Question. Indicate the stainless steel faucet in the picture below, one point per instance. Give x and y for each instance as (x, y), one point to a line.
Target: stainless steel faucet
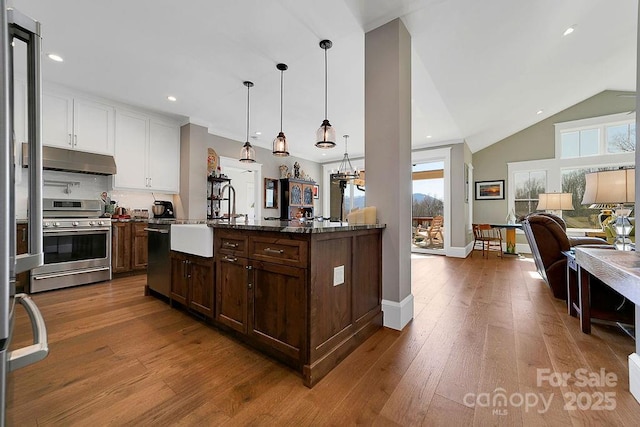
(232, 201)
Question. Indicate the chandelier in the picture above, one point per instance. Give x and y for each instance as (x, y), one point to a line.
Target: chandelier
(346, 171)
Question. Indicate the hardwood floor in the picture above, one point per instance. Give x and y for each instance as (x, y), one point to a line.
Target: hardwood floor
(481, 326)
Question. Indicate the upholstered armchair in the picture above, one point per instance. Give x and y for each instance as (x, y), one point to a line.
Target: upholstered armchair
(547, 237)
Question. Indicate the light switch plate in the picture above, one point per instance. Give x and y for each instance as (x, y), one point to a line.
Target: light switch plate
(338, 275)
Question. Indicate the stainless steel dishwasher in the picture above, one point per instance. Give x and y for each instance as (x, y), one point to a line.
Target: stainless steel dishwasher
(159, 261)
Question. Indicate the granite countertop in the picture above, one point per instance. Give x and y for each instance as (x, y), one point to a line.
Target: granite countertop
(293, 226)
(129, 219)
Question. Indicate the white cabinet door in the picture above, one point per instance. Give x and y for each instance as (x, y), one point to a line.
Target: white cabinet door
(78, 124)
(131, 150)
(164, 157)
(94, 126)
(57, 120)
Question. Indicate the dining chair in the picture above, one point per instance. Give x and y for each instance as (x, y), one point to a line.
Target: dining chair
(478, 239)
(492, 236)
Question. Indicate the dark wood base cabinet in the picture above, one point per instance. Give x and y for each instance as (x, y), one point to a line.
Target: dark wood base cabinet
(276, 292)
(192, 282)
(128, 247)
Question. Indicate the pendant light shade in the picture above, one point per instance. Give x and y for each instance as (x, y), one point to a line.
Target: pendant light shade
(325, 135)
(248, 154)
(280, 145)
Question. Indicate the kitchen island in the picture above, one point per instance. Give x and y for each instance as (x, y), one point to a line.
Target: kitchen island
(306, 293)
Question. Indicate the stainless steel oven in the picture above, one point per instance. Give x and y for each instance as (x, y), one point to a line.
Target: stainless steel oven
(76, 245)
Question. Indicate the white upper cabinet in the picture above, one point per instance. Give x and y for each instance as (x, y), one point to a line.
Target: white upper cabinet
(164, 156)
(132, 131)
(147, 153)
(77, 123)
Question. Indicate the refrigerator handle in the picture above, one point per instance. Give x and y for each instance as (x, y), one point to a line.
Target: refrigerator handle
(34, 93)
(40, 348)
(35, 257)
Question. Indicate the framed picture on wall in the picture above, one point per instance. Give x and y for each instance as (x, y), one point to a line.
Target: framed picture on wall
(490, 190)
(316, 191)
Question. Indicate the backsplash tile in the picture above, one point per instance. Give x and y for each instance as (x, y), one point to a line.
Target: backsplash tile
(85, 186)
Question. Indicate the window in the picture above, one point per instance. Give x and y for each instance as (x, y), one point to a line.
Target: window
(621, 138)
(573, 181)
(580, 143)
(527, 186)
(605, 135)
(582, 146)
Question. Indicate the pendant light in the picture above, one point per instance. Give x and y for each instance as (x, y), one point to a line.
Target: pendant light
(325, 135)
(280, 145)
(346, 171)
(247, 154)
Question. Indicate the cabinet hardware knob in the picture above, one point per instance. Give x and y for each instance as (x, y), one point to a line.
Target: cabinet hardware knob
(230, 245)
(249, 267)
(75, 140)
(250, 286)
(274, 251)
(70, 140)
(230, 258)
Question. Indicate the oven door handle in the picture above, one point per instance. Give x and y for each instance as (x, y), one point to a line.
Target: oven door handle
(67, 273)
(157, 230)
(77, 231)
(24, 356)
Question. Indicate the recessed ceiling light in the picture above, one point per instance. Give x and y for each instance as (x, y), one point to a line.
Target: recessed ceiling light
(428, 136)
(324, 154)
(172, 98)
(539, 112)
(569, 30)
(55, 57)
(258, 133)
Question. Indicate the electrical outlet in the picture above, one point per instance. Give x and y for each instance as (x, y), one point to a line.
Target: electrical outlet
(338, 275)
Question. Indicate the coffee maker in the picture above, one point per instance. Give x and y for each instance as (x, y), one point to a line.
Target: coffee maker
(163, 209)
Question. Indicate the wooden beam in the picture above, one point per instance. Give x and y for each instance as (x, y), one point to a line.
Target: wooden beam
(439, 173)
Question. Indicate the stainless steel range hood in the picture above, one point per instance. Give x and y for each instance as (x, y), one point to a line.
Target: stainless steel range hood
(62, 159)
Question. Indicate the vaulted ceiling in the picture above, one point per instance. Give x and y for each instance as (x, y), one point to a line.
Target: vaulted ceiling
(481, 70)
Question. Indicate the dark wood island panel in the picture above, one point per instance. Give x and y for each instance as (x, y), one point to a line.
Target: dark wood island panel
(275, 291)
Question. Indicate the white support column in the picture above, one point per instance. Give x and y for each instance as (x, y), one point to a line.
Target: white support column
(388, 160)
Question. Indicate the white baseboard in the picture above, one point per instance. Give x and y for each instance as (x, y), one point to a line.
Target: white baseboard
(397, 314)
(459, 252)
(634, 375)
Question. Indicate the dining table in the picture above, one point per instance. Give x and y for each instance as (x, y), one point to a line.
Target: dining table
(510, 236)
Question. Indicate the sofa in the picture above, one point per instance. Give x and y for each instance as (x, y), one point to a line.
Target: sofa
(547, 237)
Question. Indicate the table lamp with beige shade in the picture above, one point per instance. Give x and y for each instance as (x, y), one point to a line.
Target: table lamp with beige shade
(614, 187)
(555, 202)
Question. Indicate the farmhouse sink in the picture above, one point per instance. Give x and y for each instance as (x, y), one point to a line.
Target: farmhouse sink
(194, 239)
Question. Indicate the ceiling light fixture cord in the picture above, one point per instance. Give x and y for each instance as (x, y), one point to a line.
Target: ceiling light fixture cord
(281, 80)
(326, 79)
(248, 112)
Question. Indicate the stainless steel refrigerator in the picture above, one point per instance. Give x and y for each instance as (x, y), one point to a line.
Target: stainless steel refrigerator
(18, 33)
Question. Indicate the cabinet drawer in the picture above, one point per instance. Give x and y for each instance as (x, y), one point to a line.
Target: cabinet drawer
(231, 243)
(282, 251)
